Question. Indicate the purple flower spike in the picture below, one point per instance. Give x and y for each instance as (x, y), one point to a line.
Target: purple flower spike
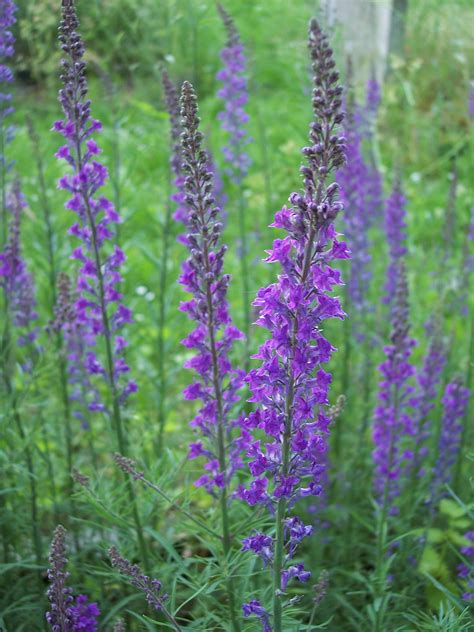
(60, 616)
(395, 228)
(254, 608)
(99, 310)
(291, 387)
(234, 94)
(466, 568)
(393, 418)
(7, 20)
(214, 335)
(15, 279)
(84, 615)
(455, 400)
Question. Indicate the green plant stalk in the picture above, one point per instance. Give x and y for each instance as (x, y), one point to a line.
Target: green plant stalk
(226, 538)
(5, 355)
(464, 431)
(244, 273)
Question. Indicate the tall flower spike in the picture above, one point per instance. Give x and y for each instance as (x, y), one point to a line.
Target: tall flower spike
(455, 401)
(214, 334)
(99, 308)
(7, 20)
(395, 229)
(59, 617)
(393, 417)
(14, 276)
(234, 94)
(221, 440)
(291, 387)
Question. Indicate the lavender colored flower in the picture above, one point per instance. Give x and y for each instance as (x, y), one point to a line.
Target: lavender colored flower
(393, 417)
(119, 626)
(84, 615)
(83, 393)
(234, 93)
(99, 308)
(291, 387)
(255, 608)
(7, 40)
(150, 587)
(66, 614)
(428, 379)
(59, 595)
(353, 181)
(214, 335)
(466, 568)
(15, 280)
(395, 229)
(455, 400)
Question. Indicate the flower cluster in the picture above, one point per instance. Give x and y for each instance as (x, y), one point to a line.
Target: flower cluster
(234, 94)
(66, 614)
(290, 387)
(466, 569)
(393, 418)
(16, 281)
(7, 20)
(99, 308)
(395, 229)
(455, 400)
(214, 335)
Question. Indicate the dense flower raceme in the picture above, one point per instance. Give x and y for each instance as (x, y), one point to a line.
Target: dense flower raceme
(15, 279)
(99, 310)
(234, 93)
(291, 387)
(455, 400)
(466, 569)
(395, 229)
(66, 614)
(83, 393)
(393, 417)
(428, 379)
(7, 20)
(214, 335)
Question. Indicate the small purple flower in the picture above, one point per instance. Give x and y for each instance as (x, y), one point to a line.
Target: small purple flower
(7, 40)
(260, 544)
(466, 568)
(84, 615)
(255, 608)
(234, 94)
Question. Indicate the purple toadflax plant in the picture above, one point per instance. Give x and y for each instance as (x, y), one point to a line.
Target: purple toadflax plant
(66, 614)
(395, 229)
(214, 335)
(455, 400)
(393, 415)
(466, 568)
(291, 387)
(150, 587)
(234, 94)
(100, 312)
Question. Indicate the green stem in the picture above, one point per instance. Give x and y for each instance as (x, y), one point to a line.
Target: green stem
(244, 273)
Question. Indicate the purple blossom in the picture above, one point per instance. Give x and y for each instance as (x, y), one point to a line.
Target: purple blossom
(395, 229)
(260, 544)
(84, 615)
(98, 306)
(214, 335)
(393, 417)
(455, 400)
(290, 387)
(7, 40)
(428, 379)
(255, 608)
(466, 568)
(234, 94)
(15, 280)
